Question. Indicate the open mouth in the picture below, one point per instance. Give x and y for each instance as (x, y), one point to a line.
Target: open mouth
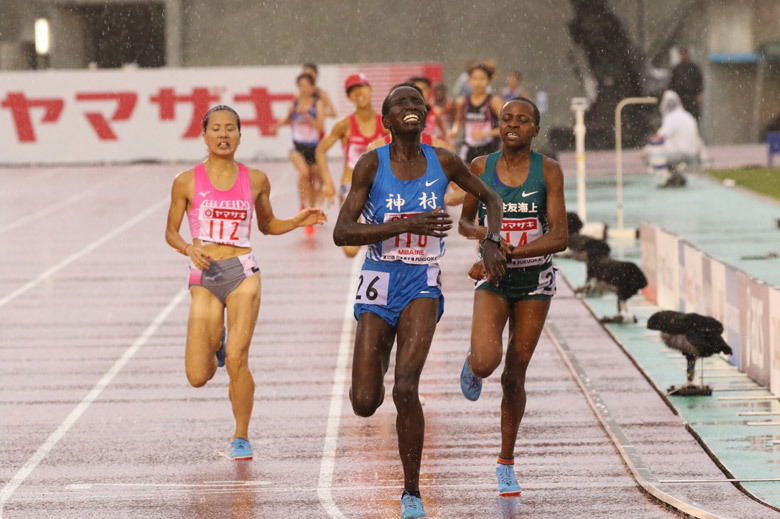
(224, 145)
(412, 118)
(512, 135)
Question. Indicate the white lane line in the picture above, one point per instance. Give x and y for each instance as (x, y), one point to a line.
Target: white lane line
(328, 461)
(74, 415)
(55, 207)
(86, 250)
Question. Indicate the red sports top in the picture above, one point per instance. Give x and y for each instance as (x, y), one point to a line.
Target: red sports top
(357, 142)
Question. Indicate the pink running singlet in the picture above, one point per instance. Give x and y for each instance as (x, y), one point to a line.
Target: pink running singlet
(221, 216)
(357, 143)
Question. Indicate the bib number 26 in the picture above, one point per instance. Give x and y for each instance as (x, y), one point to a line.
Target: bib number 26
(372, 287)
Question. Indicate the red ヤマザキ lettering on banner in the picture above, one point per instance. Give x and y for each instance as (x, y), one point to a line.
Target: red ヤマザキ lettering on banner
(20, 106)
(200, 99)
(262, 101)
(125, 105)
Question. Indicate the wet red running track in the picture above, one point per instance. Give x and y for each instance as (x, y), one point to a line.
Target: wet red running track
(97, 419)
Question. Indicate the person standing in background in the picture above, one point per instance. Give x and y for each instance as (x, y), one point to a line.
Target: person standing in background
(688, 82)
(312, 70)
(477, 114)
(307, 119)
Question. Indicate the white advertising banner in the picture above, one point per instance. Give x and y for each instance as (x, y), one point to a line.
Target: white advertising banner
(80, 116)
(649, 251)
(754, 328)
(667, 270)
(774, 339)
(692, 297)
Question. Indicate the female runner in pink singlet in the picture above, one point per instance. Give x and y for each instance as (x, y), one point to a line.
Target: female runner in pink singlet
(219, 197)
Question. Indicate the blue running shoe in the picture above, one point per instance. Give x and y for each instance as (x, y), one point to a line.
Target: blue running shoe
(411, 507)
(507, 483)
(221, 351)
(241, 450)
(470, 384)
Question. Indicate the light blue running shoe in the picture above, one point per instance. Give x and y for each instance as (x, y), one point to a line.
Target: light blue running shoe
(241, 450)
(507, 483)
(470, 384)
(221, 351)
(411, 507)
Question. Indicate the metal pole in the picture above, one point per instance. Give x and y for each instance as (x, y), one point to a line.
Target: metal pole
(619, 156)
(579, 105)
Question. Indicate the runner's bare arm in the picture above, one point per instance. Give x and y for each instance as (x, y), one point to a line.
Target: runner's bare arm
(336, 134)
(319, 122)
(284, 121)
(267, 223)
(456, 169)
(555, 239)
(327, 103)
(375, 144)
(467, 225)
(349, 231)
(180, 197)
(453, 133)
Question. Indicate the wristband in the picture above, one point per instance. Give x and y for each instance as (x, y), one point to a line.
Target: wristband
(184, 250)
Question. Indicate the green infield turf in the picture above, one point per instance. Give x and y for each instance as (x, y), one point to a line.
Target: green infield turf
(761, 180)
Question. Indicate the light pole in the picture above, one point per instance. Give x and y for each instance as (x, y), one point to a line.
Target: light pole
(42, 42)
(620, 232)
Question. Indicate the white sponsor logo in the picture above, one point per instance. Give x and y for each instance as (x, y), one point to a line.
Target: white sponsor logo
(529, 194)
(204, 193)
(429, 184)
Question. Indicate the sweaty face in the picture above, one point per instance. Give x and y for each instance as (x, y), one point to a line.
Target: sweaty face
(516, 124)
(361, 96)
(221, 135)
(479, 81)
(406, 111)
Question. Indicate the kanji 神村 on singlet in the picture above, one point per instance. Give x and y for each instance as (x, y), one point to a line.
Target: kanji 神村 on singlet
(404, 267)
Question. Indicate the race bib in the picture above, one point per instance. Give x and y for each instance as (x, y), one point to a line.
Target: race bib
(519, 231)
(482, 126)
(354, 152)
(372, 287)
(224, 224)
(305, 132)
(547, 285)
(408, 247)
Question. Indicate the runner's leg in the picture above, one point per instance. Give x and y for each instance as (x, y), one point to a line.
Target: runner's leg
(243, 305)
(529, 317)
(487, 327)
(304, 177)
(416, 326)
(204, 336)
(373, 343)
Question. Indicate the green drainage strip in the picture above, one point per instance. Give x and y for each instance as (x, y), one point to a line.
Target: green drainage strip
(739, 423)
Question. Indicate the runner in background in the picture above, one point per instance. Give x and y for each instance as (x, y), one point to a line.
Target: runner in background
(313, 71)
(355, 132)
(307, 118)
(533, 228)
(219, 197)
(477, 113)
(434, 125)
(398, 189)
(445, 105)
(514, 86)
